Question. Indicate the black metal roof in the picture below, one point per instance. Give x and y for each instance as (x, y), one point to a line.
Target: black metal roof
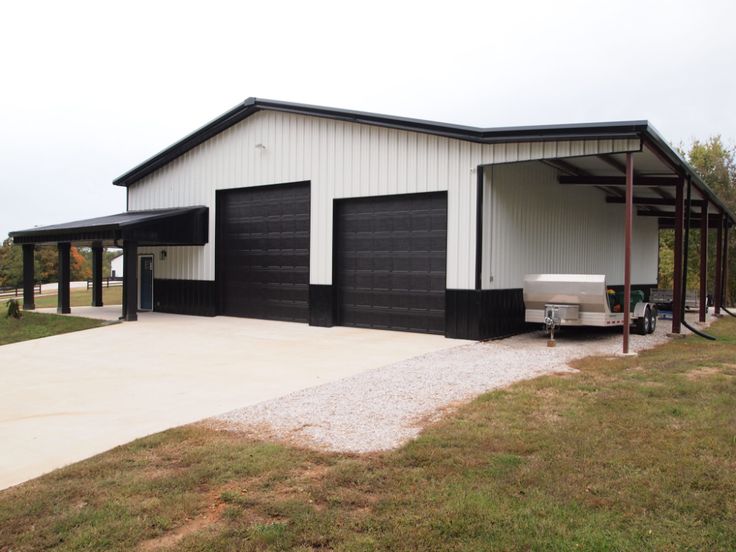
(178, 226)
(585, 131)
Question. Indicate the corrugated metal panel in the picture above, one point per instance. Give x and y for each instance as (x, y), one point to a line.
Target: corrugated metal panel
(340, 159)
(534, 225)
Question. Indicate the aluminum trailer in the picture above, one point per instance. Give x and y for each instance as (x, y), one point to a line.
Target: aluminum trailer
(557, 300)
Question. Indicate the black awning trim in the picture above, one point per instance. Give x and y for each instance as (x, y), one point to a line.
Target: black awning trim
(177, 226)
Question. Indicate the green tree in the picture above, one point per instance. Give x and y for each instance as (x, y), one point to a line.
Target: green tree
(11, 264)
(715, 161)
(47, 262)
(45, 265)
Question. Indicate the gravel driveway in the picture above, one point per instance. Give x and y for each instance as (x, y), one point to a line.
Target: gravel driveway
(383, 408)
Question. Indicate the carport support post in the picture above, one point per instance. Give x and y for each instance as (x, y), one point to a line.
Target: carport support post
(703, 308)
(677, 277)
(96, 275)
(28, 277)
(130, 281)
(724, 278)
(718, 291)
(62, 306)
(628, 230)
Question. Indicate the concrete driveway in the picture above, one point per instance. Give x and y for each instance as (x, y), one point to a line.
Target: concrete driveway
(65, 398)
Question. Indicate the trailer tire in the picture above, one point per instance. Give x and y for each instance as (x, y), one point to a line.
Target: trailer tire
(652, 319)
(643, 324)
(640, 325)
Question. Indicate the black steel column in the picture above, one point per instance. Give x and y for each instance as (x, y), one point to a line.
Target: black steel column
(28, 277)
(62, 306)
(724, 278)
(718, 291)
(97, 275)
(677, 277)
(628, 231)
(703, 307)
(130, 281)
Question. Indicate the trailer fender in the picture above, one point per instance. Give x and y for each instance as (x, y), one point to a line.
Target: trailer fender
(639, 310)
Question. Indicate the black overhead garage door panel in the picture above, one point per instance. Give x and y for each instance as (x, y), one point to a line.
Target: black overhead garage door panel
(390, 262)
(263, 252)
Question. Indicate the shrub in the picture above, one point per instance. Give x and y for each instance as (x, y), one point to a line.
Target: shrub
(13, 309)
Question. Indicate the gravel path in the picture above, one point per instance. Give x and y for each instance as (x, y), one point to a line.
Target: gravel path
(383, 408)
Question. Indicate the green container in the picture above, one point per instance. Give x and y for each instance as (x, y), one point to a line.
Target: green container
(637, 296)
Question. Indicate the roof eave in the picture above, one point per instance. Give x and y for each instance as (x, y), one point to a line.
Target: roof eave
(685, 169)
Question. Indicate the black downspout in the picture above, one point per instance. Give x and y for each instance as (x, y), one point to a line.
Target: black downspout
(725, 269)
(688, 204)
(479, 227)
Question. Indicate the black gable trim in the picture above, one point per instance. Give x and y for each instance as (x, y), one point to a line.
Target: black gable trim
(625, 129)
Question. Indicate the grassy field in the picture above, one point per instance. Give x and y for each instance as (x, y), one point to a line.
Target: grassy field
(83, 298)
(35, 324)
(627, 454)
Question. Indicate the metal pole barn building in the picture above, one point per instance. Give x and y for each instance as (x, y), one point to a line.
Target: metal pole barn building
(326, 216)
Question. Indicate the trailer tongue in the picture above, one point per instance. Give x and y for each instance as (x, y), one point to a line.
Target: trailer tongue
(557, 300)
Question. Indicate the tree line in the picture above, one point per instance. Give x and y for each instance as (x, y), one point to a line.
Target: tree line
(46, 263)
(715, 161)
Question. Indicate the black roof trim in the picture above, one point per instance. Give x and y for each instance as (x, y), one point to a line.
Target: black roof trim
(653, 138)
(624, 129)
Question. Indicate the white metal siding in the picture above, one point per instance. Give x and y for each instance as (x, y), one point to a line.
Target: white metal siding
(340, 159)
(533, 225)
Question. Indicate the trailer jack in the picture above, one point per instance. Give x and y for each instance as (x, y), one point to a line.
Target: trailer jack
(549, 324)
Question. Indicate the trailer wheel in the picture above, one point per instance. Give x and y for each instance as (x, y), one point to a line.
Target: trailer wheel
(645, 324)
(652, 319)
(641, 325)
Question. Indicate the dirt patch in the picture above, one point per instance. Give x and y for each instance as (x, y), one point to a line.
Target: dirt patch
(174, 537)
(703, 372)
(315, 472)
(211, 516)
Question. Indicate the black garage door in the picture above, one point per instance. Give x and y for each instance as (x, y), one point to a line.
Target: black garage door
(263, 252)
(390, 262)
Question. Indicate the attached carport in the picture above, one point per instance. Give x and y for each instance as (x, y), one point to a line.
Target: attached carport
(159, 227)
(657, 182)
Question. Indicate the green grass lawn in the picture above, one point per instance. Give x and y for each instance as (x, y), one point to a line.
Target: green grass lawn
(627, 454)
(35, 324)
(83, 298)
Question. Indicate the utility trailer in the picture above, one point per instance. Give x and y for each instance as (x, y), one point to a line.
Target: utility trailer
(663, 299)
(557, 300)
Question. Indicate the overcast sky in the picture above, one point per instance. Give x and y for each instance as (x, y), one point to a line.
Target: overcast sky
(90, 89)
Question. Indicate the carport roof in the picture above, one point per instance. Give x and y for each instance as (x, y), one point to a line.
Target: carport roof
(177, 226)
